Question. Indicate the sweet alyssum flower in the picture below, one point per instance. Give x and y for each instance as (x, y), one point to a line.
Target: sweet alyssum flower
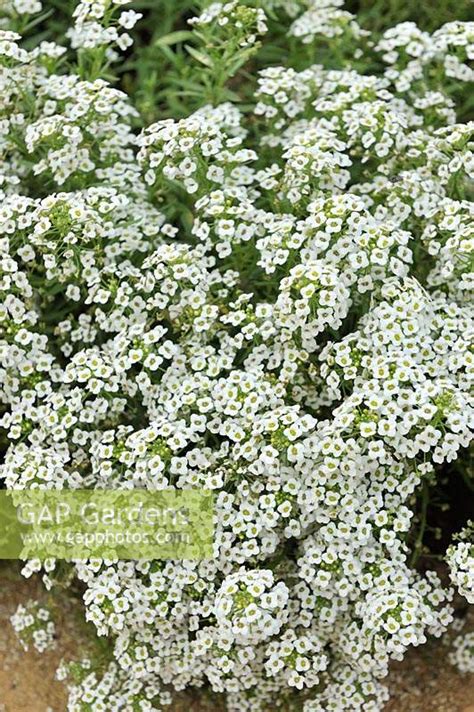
(268, 298)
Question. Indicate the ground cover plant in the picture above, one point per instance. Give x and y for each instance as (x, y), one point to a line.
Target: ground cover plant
(238, 255)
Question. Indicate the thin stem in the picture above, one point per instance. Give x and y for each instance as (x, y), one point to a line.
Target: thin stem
(425, 498)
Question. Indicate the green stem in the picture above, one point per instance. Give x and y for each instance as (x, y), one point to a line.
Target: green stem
(425, 498)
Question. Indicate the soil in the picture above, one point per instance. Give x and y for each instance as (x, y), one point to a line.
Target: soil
(423, 682)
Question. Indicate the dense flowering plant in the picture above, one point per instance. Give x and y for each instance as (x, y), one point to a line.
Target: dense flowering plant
(266, 291)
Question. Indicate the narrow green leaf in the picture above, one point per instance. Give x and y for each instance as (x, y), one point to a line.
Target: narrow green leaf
(203, 58)
(173, 38)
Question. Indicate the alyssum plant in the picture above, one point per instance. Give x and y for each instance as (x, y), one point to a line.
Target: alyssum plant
(269, 297)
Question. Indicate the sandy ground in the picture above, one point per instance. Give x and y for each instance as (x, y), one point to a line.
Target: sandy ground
(424, 682)
(27, 681)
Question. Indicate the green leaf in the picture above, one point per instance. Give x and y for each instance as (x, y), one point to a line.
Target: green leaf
(203, 58)
(173, 38)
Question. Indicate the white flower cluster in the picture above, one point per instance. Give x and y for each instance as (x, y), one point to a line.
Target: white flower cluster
(201, 152)
(33, 625)
(250, 607)
(272, 302)
(324, 18)
(460, 558)
(13, 9)
(414, 54)
(96, 27)
(462, 654)
(113, 690)
(235, 22)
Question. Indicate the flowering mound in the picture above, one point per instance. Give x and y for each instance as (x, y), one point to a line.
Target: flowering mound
(265, 292)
